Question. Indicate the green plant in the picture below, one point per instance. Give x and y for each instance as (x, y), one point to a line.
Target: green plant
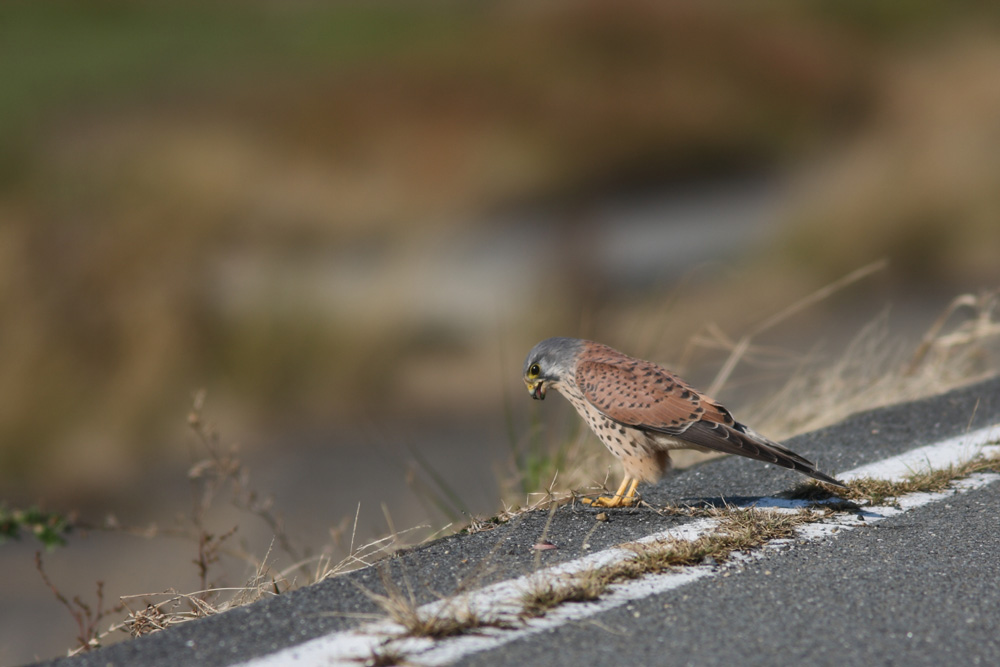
(49, 528)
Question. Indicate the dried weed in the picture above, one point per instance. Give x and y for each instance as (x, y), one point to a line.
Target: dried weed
(453, 617)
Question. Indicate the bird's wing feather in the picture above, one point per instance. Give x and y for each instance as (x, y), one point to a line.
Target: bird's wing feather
(648, 397)
(644, 395)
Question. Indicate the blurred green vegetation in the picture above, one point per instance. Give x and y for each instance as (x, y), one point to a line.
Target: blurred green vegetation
(93, 55)
(49, 528)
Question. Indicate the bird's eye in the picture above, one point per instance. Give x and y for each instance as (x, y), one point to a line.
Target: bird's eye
(534, 370)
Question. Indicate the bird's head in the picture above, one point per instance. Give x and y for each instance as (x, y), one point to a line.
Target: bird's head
(551, 362)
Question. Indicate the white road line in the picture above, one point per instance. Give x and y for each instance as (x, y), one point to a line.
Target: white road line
(936, 456)
(502, 600)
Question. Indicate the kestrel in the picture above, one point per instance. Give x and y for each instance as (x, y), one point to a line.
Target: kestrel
(641, 411)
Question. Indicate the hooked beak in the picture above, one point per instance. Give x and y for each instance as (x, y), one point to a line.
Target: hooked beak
(536, 389)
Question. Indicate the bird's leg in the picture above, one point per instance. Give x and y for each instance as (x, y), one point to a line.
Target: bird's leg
(629, 498)
(624, 496)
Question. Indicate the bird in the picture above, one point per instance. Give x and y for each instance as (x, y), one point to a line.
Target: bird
(641, 411)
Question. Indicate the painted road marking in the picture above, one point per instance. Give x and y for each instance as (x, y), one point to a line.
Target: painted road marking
(503, 600)
(939, 455)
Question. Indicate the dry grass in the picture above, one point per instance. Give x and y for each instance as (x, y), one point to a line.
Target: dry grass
(221, 475)
(385, 656)
(739, 350)
(169, 608)
(961, 346)
(86, 616)
(738, 530)
(453, 617)
(158, 614)
(872, 491)
(361, 556)
(880, 492)
(547, 593)
(176, 608)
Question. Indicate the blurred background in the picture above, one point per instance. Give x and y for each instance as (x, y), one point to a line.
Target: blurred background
(348, 222)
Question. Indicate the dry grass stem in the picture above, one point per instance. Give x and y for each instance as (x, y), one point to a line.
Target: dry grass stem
(453, 617)
(364, 556)
(385, 656)
(880, 491)
(548, 593)
(738, 530)
(168, 612)
(87, 618)
(876, 370)
(740, 348)
(874, 491)
(981, 326)
(222, 469)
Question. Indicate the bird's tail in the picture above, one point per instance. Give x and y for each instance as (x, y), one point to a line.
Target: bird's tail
(735, 438)
(778, 454)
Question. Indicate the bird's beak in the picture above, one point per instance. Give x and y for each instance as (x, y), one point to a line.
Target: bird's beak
(536, 389)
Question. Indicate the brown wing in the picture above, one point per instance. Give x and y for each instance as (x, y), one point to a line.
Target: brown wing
(646, 396)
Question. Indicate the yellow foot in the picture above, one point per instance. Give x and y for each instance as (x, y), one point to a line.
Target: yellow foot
(609, 501)
(622, 498)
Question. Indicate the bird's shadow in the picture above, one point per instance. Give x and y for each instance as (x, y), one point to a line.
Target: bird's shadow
(764, 502)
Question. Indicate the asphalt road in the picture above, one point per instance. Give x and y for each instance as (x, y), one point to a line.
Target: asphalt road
(919, 588)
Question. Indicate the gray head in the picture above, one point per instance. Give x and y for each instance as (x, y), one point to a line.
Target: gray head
(551, 361)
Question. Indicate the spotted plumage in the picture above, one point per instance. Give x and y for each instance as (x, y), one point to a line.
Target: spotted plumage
(640, 411)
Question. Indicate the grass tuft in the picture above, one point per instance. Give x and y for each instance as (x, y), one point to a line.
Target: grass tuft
(879, 491)
(872, 491)
(738, 530)
(452, 618)
(546, 594)
(385, 656)
(810, 490)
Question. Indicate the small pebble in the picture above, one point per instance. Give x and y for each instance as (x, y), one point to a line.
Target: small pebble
(601, 517)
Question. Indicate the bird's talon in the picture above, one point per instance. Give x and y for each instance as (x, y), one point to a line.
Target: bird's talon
(608, 501)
